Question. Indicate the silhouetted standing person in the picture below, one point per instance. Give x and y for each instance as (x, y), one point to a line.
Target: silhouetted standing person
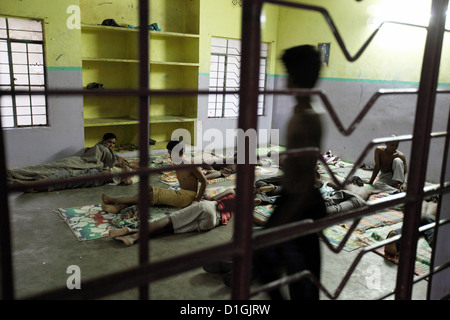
(300, 199)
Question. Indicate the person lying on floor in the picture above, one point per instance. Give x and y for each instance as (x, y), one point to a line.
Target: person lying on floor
(427, 216)
(200, 216)
(391, 164)
(354, 194)
(100, 159)
(189, 192)
(225, 169)
(337, 200)
(267, 189)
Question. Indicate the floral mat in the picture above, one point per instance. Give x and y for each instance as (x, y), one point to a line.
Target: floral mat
(365, 227)
(423, 253)
(91, 222)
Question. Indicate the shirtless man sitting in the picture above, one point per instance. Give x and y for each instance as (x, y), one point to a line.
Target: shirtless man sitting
(189, 192)
(393, 167)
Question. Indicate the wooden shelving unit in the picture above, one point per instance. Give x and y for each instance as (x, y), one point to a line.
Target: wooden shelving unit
(110, 57)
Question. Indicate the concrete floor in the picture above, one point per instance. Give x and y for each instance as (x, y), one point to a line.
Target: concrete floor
(44, 246)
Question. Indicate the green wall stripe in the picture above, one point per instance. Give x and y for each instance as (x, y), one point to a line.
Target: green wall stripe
(64, 68)
(370, 81)
(413, 83)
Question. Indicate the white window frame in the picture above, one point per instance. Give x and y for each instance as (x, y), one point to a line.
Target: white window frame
(22, 68)
(225, 67)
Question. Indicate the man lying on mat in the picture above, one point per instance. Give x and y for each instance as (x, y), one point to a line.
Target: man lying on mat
(201, 216)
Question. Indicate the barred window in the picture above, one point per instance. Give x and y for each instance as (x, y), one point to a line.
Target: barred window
(224, 75)
(22, 68)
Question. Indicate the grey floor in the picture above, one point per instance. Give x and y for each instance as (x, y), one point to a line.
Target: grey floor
(44, 246)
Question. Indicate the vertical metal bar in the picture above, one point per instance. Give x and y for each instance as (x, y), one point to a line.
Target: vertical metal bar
(11, 74)
(440, 210)
(421, 141)
(143, 137)
(245, 172)
(6, 284)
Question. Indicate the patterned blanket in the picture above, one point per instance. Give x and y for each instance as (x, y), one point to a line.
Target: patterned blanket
(91, 222)
(423, 254)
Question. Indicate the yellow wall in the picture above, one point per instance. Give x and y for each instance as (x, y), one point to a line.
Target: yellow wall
(220, 18)
(62, 44)
(171, 16)
(395, 54)
(124, 12)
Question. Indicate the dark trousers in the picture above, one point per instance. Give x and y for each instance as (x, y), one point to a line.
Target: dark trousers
(295, 255)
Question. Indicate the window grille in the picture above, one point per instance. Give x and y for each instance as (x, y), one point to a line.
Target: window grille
(225, 74)
(22, 68)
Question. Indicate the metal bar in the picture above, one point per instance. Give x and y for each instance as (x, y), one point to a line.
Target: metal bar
(6, 264)
(130, 278)
(294, 230)
(145, 273)
(420, 278)
(317, 92)
(439, 207)
(249, 89)
(187, 92)
(11, 73)
(334, 29)
(421, 141)
(242, 245)
(306, 274)
(143, 201)
(143, 171)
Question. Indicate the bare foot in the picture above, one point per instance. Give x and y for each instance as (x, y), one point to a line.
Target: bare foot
(107, 200)
(121, 232)
(109, 206)
(129, 240)
(265, 189)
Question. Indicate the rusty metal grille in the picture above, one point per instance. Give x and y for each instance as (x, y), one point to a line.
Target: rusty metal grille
(244, 242)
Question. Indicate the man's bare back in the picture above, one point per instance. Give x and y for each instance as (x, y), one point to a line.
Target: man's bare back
(190, 178)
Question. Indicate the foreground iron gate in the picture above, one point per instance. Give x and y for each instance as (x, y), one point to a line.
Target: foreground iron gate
(241, 246)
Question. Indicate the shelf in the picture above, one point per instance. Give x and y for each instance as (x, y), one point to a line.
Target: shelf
(167, 63)
(103, 122)
(151, 33)
(98, 27)
(110, 55)
(179, 64)
(162, 119)
(110, 60)
(172, 34)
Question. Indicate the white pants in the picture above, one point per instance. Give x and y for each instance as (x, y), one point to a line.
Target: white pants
(200, 216)
(387, 180)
